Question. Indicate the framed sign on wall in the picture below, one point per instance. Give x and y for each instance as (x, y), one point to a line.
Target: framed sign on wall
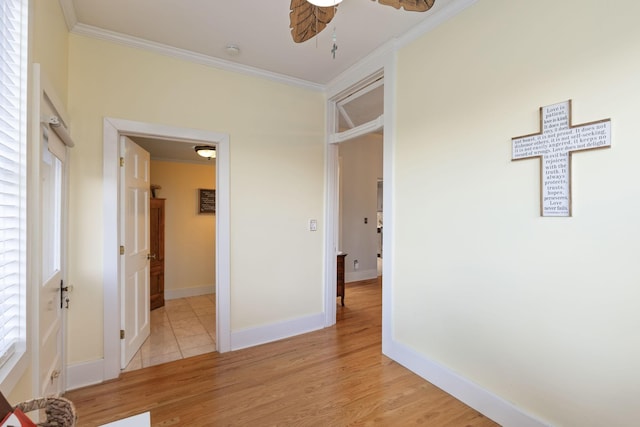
(206, 201)
(554, 145)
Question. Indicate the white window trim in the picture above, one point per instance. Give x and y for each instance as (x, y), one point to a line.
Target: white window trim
(14, 368)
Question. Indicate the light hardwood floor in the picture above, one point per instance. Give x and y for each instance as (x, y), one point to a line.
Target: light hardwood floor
(333, 377)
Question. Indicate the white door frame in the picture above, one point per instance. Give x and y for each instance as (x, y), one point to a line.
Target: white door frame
(43, 93)
(383, 64)
(113, 129)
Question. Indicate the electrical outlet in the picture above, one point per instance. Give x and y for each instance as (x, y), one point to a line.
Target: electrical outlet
(356, 265)
(313, 225)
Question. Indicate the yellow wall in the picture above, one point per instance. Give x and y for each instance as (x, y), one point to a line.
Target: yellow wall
(540, 311)
(189, 236)
(49, 43)
(276, 177)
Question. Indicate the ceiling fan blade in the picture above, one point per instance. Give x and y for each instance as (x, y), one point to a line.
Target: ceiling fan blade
(308, 20)
(410, 5)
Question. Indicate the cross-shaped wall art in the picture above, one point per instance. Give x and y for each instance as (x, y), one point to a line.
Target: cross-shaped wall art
(557, 140)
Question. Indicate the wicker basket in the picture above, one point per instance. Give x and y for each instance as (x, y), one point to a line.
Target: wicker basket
(60, 411)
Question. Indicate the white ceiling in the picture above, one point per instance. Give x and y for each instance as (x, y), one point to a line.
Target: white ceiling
(201, 30)
(260, 28)
(174, 151)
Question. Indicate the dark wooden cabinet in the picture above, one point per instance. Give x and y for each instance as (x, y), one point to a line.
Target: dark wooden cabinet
(156, 252)
(340, 277)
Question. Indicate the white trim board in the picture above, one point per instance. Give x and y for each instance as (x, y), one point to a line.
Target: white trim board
(85, 374)
(113, 129)
(356, 276)
(189, 292)
(492, 406)
(276, 331)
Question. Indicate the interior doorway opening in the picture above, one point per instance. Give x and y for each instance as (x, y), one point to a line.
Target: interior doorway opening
(360, 173)
(182, 251)
(355, 152)
(113, 130)
(359, 218)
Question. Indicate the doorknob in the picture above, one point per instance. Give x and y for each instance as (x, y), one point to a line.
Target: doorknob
(151, 256)
(63, 293)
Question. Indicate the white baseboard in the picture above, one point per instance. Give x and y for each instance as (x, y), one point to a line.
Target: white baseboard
(263, 334)
(84, 374)
(483, 401)
(89, 373)
(356, 276)
(189, 292)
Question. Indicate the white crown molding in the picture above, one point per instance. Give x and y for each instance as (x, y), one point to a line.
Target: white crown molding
(368, 66)
(449, 11)
(377, 59)
(69, 12)
(186, 55)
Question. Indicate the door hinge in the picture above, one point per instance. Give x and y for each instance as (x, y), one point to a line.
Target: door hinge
(121, 161)
(121, 250)
(54, 375)
(121, 334)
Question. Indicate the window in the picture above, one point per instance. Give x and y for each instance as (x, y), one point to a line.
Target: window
(13, 99)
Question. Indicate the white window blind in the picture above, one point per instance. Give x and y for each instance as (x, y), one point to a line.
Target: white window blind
(13, 98)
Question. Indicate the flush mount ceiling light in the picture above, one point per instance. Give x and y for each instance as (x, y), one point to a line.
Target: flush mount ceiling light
(232, 50)
(206, 151)
(324, 3)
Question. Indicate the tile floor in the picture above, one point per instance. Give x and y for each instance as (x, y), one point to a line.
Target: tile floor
(183, 328)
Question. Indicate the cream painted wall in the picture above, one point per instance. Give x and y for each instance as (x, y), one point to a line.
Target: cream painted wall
(49, 43)
(540, 311)
(276, 177)
(189, 236)
(360, 169)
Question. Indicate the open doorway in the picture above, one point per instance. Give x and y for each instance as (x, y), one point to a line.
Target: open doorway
(358, 148)
(359, 237)
(114, 129)
(182, 251)
(360, 173)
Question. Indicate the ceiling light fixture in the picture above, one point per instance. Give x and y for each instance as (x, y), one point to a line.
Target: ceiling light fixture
(324, 3)
(206, 151)
(232, 50)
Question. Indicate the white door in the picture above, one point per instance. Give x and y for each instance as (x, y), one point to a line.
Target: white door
(134, 282)
(51, 299)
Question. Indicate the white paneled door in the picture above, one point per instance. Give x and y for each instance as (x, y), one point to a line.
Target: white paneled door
(52, 298)
(135, 310)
